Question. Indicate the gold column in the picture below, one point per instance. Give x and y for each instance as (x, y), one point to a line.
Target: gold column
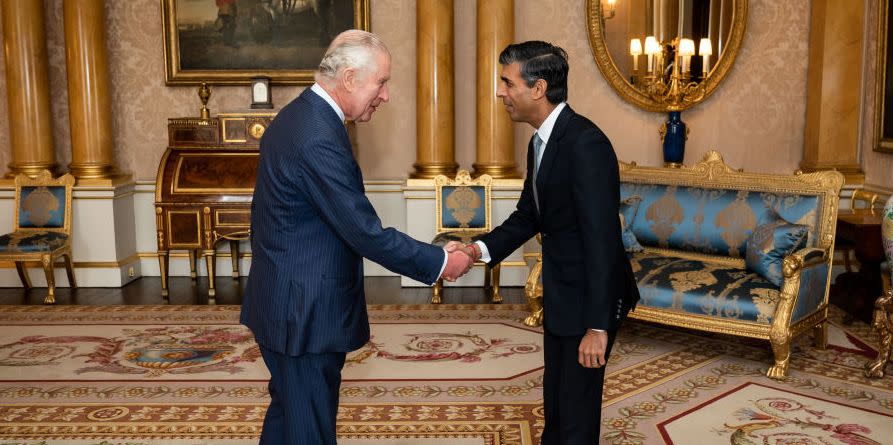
(833, 96)
(88, 90)
(436, 152)
(495, 135)
(27, 87)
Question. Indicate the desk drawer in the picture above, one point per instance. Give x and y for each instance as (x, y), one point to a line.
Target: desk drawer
(232, 218)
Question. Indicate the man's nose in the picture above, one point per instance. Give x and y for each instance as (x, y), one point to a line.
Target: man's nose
(385, 93)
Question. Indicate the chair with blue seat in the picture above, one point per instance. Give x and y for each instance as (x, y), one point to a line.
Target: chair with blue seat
(883, 307)
(41, 228)
(462, 209)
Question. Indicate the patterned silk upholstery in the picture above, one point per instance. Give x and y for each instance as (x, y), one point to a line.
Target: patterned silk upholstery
(42, 207)
(30, 242)
(770, 243)
(705, 288)
(462, 214)
(41, 228)
(713, 221)
(628, 209)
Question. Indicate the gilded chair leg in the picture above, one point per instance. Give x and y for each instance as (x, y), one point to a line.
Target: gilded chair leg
(883, 326)
(210, 259)
(436, 292)
(69, 269)
(534, 292)
(51, 280)
(162, 268)
(496, 298)
(536, 312)
(781, 349)
(234, 255)
(820, 335)
(488, 276)
(192, 255)
(23, 275)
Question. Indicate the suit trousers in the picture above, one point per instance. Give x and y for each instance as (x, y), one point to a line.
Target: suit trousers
(304, 393)
(572, 394)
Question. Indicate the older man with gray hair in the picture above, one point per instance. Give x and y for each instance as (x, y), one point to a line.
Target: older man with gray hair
(311, 226)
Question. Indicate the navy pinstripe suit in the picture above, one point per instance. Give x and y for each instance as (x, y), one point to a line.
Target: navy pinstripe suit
(311, 225)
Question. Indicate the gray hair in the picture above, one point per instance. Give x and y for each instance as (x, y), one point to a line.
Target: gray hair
(350, 49)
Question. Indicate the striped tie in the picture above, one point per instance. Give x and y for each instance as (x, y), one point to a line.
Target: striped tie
(538, 154)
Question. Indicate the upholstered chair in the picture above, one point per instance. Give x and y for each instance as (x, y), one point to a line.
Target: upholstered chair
(41, 228)
(883, 307)
(462, 213)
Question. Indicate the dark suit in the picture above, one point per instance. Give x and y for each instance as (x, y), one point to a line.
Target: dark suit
(587, 278)
(311, 226)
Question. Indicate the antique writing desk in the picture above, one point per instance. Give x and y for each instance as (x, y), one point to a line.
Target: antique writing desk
(857, 291)
(204, 187)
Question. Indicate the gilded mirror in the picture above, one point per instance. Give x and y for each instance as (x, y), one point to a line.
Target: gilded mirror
(665, 55)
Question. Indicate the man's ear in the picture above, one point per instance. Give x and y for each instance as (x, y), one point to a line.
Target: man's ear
(349, 79)
(538, 91)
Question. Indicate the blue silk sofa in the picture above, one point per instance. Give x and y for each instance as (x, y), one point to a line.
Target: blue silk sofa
(694, 224)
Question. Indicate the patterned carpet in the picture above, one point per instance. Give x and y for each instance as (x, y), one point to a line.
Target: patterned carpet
(464, 375)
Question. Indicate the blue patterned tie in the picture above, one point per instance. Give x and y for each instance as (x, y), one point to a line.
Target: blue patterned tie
(537, 153)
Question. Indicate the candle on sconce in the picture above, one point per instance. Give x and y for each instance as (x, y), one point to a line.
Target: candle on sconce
(651, 48)
(686, 50)
(705, 50)
(635, 50)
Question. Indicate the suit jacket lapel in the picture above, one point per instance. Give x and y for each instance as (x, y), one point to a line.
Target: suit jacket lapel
(552, 148)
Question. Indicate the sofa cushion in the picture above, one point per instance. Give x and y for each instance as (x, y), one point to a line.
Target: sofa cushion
(703, 288)
(714, 221)
(628, 209)
(769, 243)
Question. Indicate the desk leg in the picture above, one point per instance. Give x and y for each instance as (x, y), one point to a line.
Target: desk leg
(210, 259)
(192, 254)
(162, 268)
(234, 255)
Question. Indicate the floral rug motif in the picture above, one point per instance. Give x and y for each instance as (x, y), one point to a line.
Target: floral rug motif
(431, 375)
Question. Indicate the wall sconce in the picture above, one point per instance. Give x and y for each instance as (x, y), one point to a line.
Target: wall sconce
(609, 9)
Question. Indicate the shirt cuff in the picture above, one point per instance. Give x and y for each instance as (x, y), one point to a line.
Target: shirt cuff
(485, 254)
(446, 257)
(597, 330)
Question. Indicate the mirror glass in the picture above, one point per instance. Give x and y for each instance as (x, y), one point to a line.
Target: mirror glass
(665, 55)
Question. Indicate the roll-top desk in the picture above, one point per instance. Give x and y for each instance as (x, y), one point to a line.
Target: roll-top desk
(204, 187)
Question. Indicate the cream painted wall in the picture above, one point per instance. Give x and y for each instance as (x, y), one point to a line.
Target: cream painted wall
(756, 118)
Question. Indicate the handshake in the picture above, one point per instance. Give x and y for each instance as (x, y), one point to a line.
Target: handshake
(460, 258)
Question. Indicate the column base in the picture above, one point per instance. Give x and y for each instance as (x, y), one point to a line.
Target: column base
(30, 169)
(430, 170)
(92, 171)
(497, 171)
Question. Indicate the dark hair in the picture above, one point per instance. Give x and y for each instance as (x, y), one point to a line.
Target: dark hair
(540, 60)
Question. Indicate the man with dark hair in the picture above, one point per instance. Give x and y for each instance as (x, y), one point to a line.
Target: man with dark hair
(571, 197)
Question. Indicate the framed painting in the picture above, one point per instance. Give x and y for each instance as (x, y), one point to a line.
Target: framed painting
(227, 42)
(883, 140)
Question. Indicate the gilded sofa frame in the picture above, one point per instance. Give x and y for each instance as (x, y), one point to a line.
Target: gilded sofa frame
(713, 172)
(46, 259)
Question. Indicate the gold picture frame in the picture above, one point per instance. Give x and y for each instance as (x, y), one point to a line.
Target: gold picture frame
(883, 121)
(227, 42)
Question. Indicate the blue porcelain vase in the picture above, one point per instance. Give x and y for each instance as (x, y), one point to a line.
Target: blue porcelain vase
(674, 139)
